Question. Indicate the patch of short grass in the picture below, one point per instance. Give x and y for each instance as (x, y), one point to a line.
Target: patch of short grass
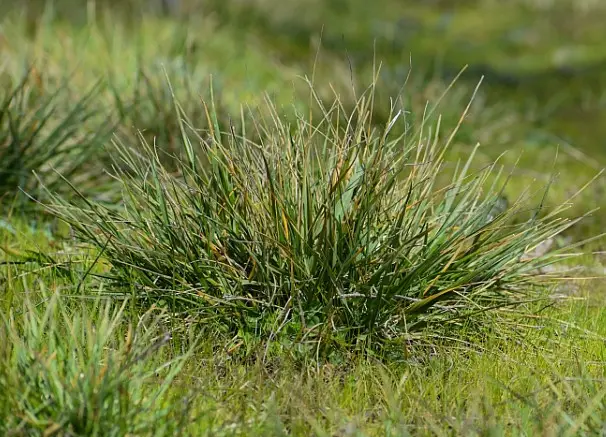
(68, 355)
(66, 370)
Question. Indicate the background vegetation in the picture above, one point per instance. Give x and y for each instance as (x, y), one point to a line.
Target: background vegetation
(271, 218)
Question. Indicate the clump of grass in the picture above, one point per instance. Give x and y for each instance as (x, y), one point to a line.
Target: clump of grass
(324, 232)
(85, 371)
(44, 131)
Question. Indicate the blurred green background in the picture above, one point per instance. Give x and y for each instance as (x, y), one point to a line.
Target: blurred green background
(546, 57)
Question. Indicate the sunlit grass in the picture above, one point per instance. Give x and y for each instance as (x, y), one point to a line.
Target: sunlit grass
(327, 263)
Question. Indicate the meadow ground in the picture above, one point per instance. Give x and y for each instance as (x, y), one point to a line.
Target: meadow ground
(261, 218)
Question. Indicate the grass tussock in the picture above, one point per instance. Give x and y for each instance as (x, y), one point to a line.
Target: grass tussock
(47, 132)
(329, 232)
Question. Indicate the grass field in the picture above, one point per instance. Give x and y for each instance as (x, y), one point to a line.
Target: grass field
(339, 218)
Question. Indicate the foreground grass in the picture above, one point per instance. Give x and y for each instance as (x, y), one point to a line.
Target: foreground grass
(97, 345)
(72, 366)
